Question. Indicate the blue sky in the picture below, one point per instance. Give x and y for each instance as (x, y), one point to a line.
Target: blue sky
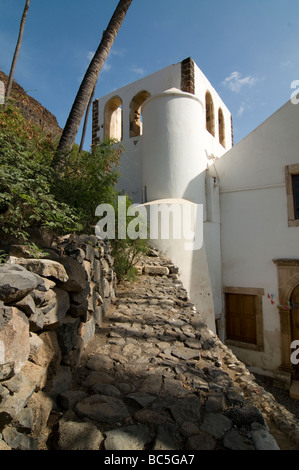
(247, 49)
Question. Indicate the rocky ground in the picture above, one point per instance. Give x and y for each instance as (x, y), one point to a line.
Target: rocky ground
(155, 378)
(289, 408)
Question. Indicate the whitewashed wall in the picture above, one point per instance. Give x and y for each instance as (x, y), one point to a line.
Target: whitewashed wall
(170, 160)
(254, 219)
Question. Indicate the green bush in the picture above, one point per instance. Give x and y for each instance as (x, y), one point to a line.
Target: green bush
(88, 180)
(26, 179)
(33, 195)
(126, 251)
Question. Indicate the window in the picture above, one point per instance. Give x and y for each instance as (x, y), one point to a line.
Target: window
(241, 318)
(135, 113)
(244, 324)
(292, 189)
(210, 117)
(221, 126)
(113, 119)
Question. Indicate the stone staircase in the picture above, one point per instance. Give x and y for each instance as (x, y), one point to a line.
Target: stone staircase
(155, 378)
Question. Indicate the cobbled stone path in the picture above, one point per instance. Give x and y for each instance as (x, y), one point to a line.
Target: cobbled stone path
(154, 378)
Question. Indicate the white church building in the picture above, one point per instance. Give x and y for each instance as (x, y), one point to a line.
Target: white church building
(178, 140)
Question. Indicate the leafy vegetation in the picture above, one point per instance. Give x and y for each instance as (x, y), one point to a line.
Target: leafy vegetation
(34, 195)
(26, 197)
(127, 251)
(89, 179)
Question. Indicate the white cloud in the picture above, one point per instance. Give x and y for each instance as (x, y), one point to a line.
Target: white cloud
(106, 67)
(235, 81)
(138, 70)
(118, 52)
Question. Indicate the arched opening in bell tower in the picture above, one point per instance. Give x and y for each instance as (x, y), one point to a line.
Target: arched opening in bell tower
(135, 113)
(113, 119)
(210, 114)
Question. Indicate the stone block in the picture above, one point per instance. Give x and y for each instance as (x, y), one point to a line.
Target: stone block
(79, 436)
(67, 334)
(99, 315)
(28, 381)
(90, 252)
(26, 304)
(134, 437)
(15, 282)
(19, 441)
(263, 440)
(87, 330)
(87, 268)
(14, 338)
(79, 310)
(5, 314)
(102, 409)
(35, 343)
(76, 273)
(34, 417)
(36, 374)
(49, 354)
(156, 270)
(44, 268)
(97, 271)
(55, 313)
(79, 297)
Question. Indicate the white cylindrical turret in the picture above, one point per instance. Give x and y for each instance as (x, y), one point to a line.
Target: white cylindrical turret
(173, 154)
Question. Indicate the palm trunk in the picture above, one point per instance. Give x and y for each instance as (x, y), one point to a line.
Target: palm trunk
(89, 81)
(86, 120)
(17, 50)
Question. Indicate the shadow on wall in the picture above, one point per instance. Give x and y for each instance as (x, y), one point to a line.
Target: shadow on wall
(200, 268)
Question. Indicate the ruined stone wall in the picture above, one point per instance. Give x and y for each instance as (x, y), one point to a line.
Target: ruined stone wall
(49, 309)
(31, 109)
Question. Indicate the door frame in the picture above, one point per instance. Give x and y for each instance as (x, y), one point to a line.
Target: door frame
(288, 279)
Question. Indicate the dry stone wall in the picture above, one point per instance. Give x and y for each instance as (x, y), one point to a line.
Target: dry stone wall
(49, 309)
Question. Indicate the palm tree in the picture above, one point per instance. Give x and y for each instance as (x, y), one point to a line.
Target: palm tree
(17, 50)
(86, 120)
(88, 83)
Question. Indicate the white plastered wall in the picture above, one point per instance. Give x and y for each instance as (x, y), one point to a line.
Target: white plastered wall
(130, 168)
(169, 160)
(254, 219)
